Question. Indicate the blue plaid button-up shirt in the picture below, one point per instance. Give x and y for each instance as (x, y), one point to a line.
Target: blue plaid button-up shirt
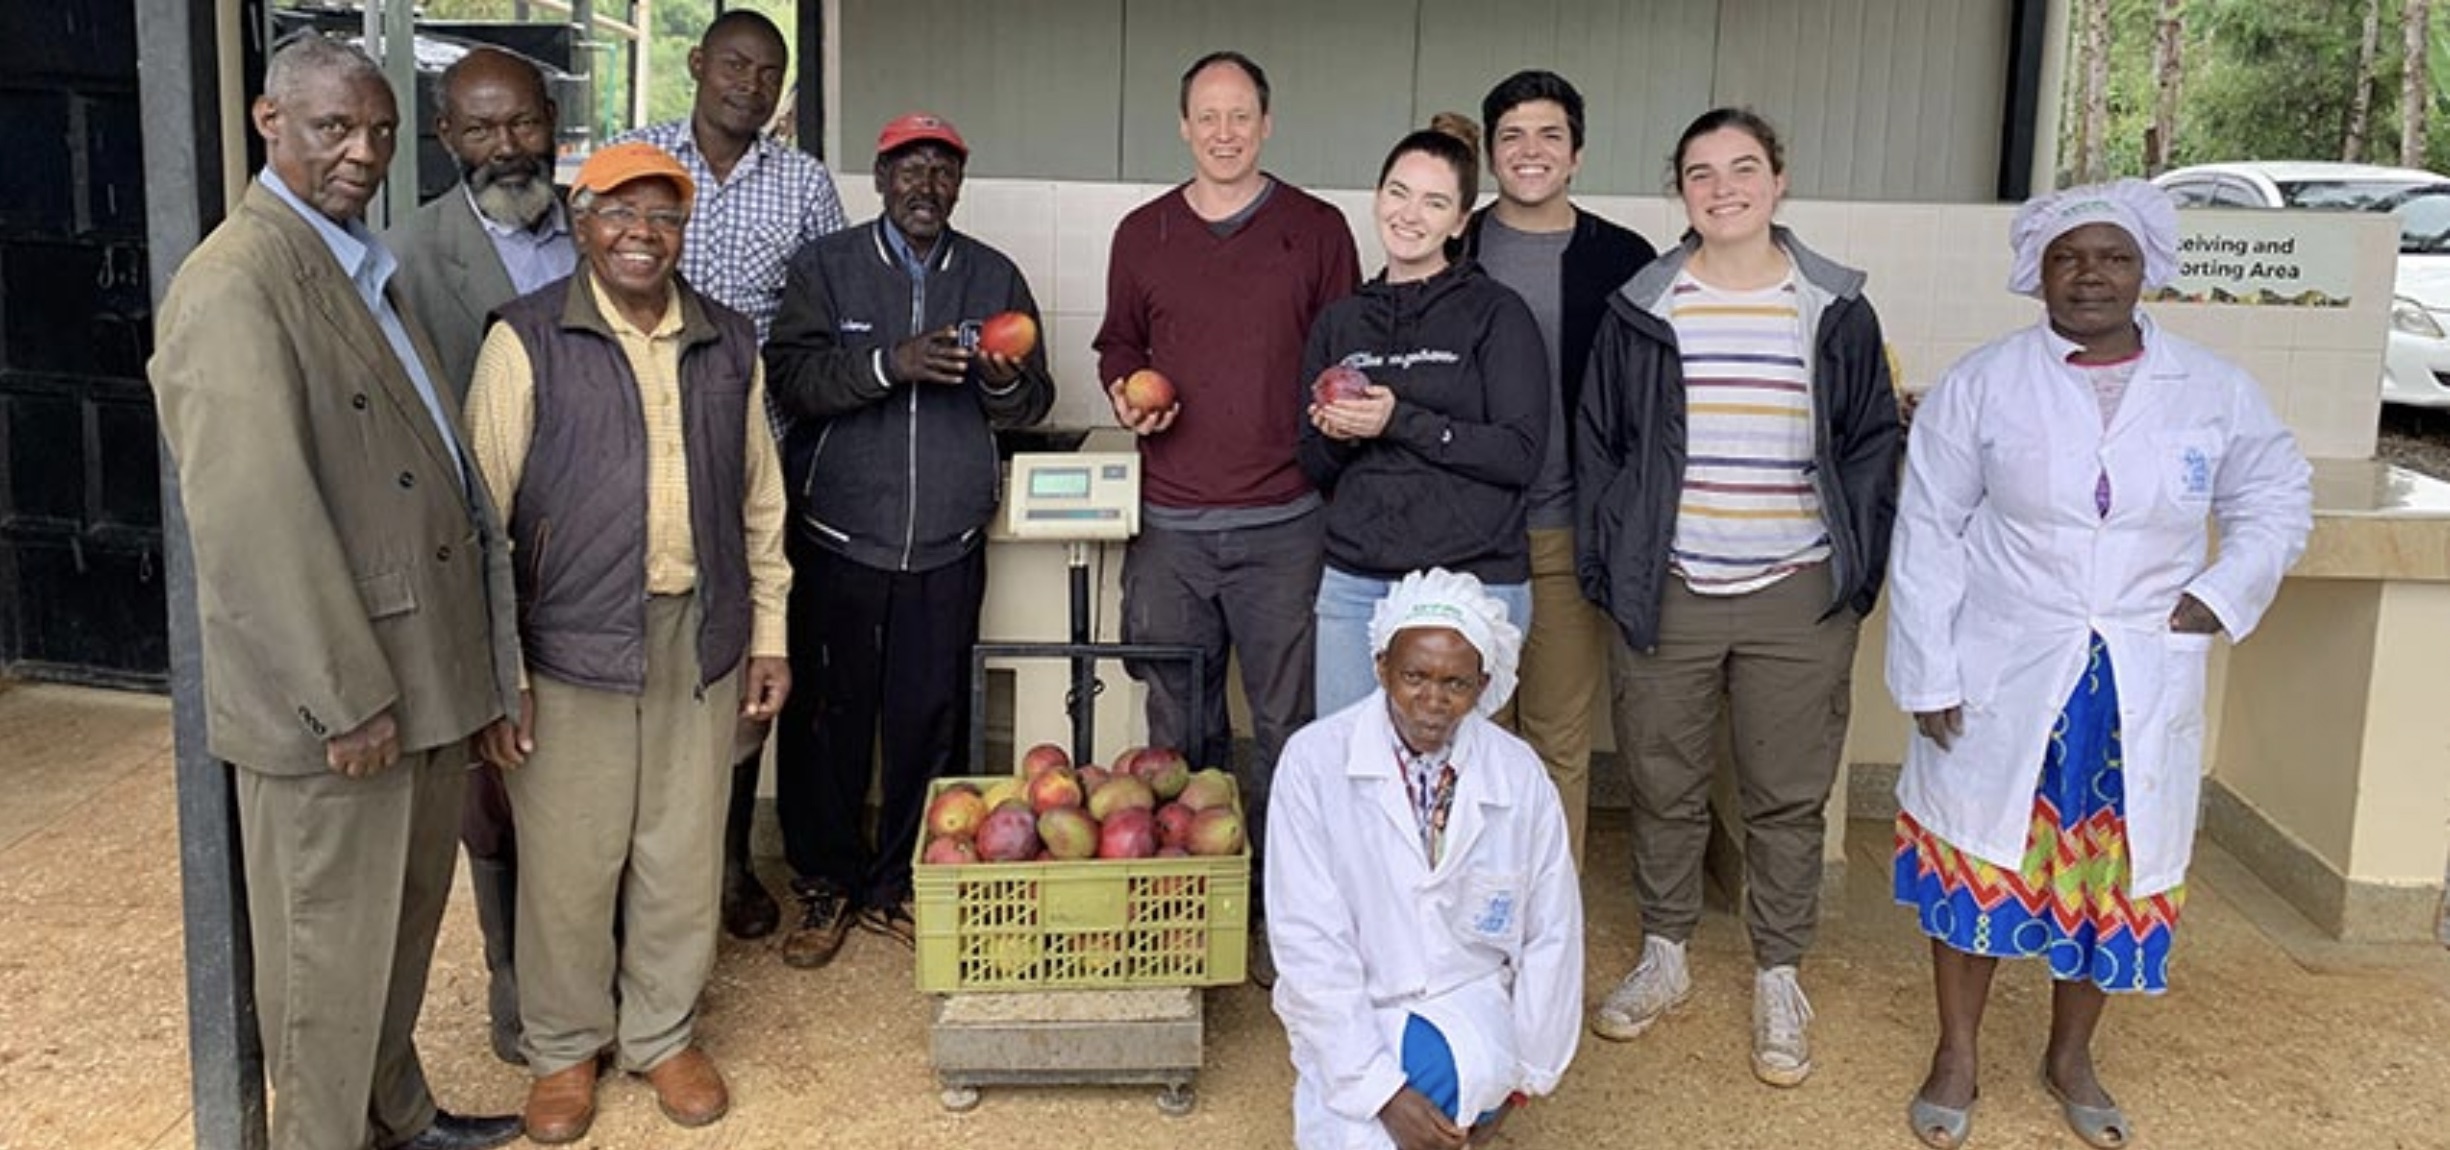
(743, 231)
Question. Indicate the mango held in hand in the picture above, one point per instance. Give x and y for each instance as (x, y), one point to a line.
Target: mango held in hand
(1338, 382)
(1010, 334)
(1148, 392)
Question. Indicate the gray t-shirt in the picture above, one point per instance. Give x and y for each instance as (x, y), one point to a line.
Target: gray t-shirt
(1531, 263)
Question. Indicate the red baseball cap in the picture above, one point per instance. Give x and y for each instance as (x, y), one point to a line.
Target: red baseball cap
(919, 127)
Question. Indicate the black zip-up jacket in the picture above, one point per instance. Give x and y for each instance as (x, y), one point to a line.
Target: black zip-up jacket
(1599, 258)
(1443, 484)
(1629, 472)
(893, 475)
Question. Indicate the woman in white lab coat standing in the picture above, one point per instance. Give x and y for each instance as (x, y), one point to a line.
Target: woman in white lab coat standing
(2051, 608)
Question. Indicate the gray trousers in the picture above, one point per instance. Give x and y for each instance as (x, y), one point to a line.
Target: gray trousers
(1785, 676)
(1250, 592)
(620, 813)
(346, 884)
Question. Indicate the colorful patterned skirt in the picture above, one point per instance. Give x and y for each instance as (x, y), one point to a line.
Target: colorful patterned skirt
(2067, 901)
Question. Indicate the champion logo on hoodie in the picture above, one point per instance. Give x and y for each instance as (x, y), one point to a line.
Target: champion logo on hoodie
(1365, 360)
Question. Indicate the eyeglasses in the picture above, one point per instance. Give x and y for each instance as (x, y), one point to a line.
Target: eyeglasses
(624, 217)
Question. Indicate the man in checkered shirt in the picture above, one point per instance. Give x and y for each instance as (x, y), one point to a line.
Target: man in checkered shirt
(759, 199)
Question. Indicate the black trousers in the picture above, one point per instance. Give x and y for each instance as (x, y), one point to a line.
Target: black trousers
(879, 659)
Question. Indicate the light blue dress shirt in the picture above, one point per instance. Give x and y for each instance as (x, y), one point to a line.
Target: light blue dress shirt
(534, 256)
(370, 266)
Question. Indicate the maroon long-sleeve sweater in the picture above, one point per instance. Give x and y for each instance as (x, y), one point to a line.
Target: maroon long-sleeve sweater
(1225, 320)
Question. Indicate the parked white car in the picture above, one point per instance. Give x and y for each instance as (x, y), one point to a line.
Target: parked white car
(2416, 362)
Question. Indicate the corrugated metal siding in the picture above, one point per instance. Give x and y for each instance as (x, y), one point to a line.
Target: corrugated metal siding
(1036, 86)
(1340, 73)
(1643, 69)
(1879, 99)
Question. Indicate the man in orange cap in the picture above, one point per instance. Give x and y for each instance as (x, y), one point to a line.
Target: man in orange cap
(895, 451)
(647, 633)
(759, 200)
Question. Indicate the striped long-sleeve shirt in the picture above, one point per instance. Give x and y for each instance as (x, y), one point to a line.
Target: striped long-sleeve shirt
(1748, 515)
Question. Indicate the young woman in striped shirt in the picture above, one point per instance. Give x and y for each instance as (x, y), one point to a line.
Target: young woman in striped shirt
(1736, 477)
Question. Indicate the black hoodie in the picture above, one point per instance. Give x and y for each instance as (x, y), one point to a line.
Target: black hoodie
(1443, 484)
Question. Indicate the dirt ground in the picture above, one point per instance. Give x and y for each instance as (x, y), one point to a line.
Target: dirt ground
(2272, 1036)
(2415, 438)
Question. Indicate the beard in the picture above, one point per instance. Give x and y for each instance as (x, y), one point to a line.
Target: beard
(516, 194)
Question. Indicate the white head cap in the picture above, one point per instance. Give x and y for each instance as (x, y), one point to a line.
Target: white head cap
(1441, 598)
(2140, 209)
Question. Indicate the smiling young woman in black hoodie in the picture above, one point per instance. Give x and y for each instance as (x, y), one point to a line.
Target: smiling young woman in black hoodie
(1429, 465)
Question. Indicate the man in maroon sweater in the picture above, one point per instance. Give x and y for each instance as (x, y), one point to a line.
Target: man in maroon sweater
(1214, 285)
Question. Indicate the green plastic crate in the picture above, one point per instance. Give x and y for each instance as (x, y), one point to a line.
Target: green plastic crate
(1101, 924)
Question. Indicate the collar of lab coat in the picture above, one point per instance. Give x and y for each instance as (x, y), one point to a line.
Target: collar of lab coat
(2143, 398)
(1369, 760)
(2063, 347)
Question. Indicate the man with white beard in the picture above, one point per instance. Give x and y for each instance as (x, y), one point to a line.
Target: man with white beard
(499, 235)
(502, 232)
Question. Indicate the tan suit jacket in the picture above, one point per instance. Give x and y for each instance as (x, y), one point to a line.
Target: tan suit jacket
(342, 566)
(452, 275)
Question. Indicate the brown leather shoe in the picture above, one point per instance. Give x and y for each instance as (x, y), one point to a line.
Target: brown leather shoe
(825, 917)
(561, 1105)
(894, 921)
(688, 1089)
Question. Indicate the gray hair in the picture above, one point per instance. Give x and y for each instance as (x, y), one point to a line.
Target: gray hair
(314, 54)
(582, 201)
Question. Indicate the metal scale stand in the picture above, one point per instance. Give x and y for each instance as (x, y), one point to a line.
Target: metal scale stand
(1118, 1037)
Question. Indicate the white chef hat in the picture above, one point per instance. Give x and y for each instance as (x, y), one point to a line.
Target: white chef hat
(1442, 598)
(2140, 209)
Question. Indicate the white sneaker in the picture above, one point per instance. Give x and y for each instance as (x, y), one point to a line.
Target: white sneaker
(1658, 984)
(1781, 1046)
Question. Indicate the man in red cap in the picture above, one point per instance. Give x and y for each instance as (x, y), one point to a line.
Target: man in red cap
(894, 454)
(647, 633)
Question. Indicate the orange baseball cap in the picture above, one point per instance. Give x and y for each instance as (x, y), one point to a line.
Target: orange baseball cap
(611, 167)
(919, 127)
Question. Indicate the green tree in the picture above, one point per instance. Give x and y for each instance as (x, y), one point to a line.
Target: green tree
(2264, 80)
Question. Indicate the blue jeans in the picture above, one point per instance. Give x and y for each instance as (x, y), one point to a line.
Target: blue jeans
(1346, 671)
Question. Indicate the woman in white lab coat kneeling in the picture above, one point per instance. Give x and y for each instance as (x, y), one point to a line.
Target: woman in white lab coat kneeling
(2051, 609)
(1422, 900)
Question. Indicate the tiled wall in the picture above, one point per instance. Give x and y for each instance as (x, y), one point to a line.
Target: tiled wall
(1937, 275)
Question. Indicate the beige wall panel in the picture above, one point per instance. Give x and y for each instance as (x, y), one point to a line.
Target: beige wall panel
(2293, 729)
(1643, 70)
(1341, 74)
(1877, 99)
(1034, 85)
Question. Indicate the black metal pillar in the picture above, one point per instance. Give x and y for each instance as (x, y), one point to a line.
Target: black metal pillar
(2020, 116)
(808, 114)
(179, 88)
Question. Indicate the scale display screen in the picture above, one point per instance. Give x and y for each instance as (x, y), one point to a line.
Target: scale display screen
(1073, 496)
(1059, 483)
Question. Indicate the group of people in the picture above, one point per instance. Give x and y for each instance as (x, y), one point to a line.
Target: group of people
(529, 518)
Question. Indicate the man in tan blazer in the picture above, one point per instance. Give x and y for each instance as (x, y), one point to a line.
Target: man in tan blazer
(355, 600)
(499, 234)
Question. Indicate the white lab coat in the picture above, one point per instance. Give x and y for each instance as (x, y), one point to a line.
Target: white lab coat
(2001, 566)
(1488, 946)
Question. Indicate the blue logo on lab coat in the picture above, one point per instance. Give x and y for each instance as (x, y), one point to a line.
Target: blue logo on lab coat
(1496, 915)
(2195, 469)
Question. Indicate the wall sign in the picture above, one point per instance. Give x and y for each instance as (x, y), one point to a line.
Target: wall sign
(2277, 258)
